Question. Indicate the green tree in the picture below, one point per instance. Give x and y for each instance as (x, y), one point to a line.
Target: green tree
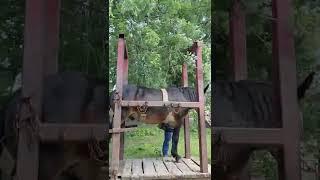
(83, 26)
(157, 36)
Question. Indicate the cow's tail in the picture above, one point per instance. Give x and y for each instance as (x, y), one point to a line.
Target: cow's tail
(206, 88)
(305, 85)
(2, 124)
(110, 108)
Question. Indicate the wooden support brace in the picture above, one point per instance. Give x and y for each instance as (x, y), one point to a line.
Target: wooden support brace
(72, 132)
(32, 77)
(201, 115)
(186, 119)
(125, 82)
(160, 103)
(238, 42)
(257, 136)
(117, 112)
(120, 130)
(52, 22)
(285, 86)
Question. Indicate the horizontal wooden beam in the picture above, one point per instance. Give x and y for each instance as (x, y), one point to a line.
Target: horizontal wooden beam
(119, 130)
(72, 132)
(258, 136)
(161, 103)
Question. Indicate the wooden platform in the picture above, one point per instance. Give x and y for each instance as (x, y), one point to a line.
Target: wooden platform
(158, 168)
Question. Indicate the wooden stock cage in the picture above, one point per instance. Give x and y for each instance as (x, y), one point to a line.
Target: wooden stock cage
(285, 105)
(41, 42)
(118, 132)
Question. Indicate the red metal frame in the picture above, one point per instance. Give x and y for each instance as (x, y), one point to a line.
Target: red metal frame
(238, 41)
(117, 113)
(71, 132)
(41, 42)
(27, 157)
(161, 103)
(262, 136)
(52, 23)
(122, 74)
(201, 116)
(187, 150)
(125, 81)
(284, 87)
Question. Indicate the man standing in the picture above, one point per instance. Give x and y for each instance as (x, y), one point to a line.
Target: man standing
(168, 131)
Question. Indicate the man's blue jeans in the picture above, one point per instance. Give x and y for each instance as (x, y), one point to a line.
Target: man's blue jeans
(167, 137)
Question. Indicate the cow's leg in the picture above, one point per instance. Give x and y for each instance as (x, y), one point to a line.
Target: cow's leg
(175, 140)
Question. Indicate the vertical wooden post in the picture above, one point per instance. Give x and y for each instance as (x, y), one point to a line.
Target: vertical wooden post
(52, 22)
(125, 82)
(186, 119)
(125, 65)
(201, 115)
(34, 39)
(285, 85)
(238, 42)
(117, 112)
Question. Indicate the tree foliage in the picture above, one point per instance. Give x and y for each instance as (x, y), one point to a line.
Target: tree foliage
(83, 36)
(157, 36)
(83, 27)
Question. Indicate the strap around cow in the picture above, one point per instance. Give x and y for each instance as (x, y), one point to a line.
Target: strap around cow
(164, 98)
(164, 95)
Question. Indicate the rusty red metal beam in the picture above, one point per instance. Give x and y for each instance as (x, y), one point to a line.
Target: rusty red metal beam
(238, 41)
(121, 156)
(193, 48)
(72, 132)
(117, 112)
(122, 130)
(201, 116)
(121, 67)
(258, 136)
(52, 23)
(187, 151)
(160, 103)
(34, 54)
(76, 132)
(285, 85)
(125, 82)
(125, 65)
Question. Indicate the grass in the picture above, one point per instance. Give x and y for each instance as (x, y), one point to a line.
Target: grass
(147, 141)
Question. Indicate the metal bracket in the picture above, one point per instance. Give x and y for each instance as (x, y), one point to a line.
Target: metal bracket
(143, 109)
(176, 108)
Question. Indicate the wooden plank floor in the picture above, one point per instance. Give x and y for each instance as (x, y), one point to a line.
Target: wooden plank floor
(158, 168)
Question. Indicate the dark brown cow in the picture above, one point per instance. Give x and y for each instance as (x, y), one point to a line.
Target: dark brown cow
(243, 104)
(157, 115)
(67, 98)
